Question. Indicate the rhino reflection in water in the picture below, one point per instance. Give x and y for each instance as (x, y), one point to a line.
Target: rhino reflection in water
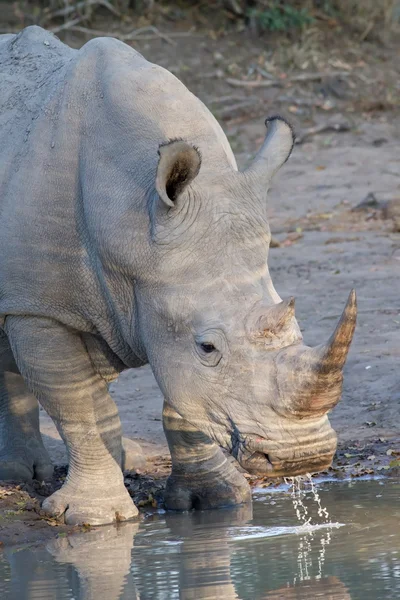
(129, 236)
(206, 569)
(90, 565)
(102, 559)
(107, 565)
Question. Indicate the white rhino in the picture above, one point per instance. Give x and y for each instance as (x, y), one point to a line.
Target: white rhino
(129, 236)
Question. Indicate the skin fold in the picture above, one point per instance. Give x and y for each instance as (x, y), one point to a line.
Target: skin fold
(128, 236)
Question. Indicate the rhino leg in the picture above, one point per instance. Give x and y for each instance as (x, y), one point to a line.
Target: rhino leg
(202, 477)
(22, 454)
(57, 369)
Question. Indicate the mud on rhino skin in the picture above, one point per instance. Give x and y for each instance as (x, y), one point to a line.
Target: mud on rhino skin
(128, 236)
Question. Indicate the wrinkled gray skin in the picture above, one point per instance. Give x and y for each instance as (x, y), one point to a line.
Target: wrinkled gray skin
(128, 236)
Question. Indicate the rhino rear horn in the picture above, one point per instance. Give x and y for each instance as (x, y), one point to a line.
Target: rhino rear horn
(274, 152)
(178, 165)
(276, 317)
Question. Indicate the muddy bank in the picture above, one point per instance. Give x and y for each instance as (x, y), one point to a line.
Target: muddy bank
(23, 522)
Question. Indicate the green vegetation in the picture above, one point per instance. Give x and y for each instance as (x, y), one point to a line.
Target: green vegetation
(280, 17)
(286, 15)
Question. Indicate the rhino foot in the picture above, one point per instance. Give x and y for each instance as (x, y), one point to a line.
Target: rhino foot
(28, 464)
(107, 504)
(203, 491)
(202, 477)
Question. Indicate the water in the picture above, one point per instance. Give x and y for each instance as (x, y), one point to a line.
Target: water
(344, 545)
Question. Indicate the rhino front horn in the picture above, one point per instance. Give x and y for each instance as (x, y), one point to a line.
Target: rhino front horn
(310, 379)
(327, 362)
(333, 354)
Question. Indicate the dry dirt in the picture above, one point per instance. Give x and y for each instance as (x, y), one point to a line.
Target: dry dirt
(322, 248)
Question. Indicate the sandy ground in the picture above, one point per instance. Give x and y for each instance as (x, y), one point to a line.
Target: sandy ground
(322, 249)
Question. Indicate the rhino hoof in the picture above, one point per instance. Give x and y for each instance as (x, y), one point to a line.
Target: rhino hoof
(17, 468)
(85, 508)
(192, 492)
(13, 470)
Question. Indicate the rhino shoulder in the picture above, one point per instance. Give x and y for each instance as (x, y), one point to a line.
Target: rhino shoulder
(109, 49)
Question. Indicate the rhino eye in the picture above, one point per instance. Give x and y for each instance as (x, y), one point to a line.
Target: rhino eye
(207, 348)
(209, 353)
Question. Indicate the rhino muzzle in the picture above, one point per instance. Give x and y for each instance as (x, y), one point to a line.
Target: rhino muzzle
(309, 383)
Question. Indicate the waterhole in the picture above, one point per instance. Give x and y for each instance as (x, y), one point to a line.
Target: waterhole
(331, 540)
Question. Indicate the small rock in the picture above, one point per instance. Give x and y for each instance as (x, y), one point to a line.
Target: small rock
(379, 142)
(233, 69)
(370, 201)
(292, 238)
(391, 210)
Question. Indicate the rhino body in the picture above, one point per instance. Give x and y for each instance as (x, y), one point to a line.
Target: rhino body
(128, 236)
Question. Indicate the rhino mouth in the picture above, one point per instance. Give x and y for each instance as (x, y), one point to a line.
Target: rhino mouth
(259, 463)
(255, 460)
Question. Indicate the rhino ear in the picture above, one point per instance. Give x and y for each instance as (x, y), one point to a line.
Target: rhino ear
(178, 165)
(274, 152)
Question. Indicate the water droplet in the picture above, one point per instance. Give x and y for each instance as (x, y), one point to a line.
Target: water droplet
(322, 512)
(304, 557)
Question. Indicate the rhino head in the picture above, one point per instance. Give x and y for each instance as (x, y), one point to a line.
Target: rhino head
(225, 348)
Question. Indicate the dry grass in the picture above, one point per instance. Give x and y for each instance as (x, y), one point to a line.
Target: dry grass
(366, 15)
(361, 19)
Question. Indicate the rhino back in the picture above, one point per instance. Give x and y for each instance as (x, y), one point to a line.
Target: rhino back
(31, 64)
